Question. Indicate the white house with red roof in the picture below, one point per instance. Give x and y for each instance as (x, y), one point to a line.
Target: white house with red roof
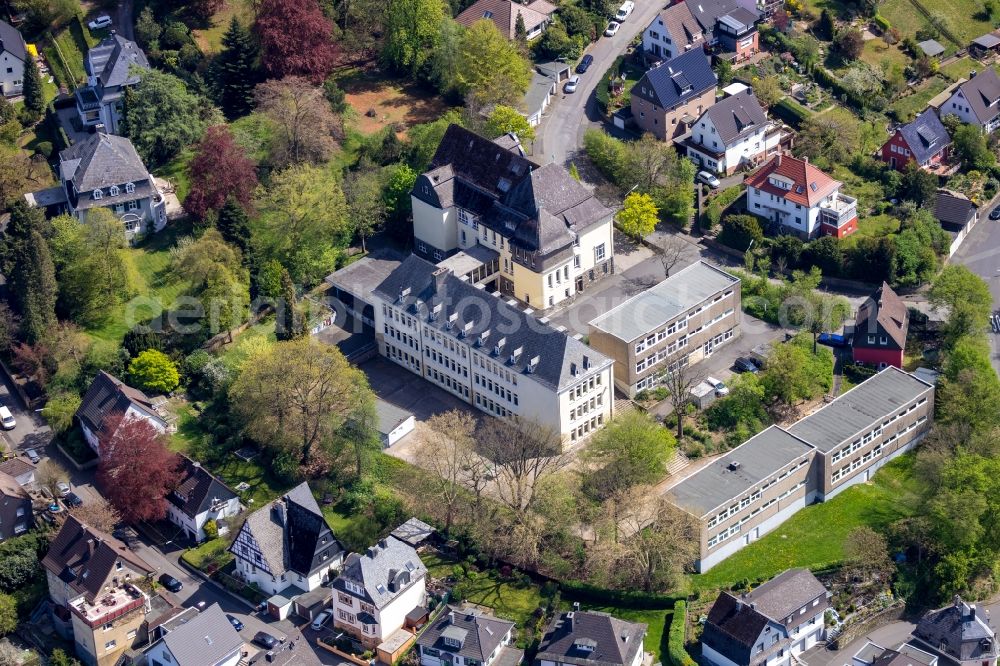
(801, 199)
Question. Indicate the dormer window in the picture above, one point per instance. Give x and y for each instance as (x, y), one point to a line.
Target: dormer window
(114, 191)
(129, 188)
(585, 644)
(98, 194)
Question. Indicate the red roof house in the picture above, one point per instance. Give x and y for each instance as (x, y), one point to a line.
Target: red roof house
(880, 329)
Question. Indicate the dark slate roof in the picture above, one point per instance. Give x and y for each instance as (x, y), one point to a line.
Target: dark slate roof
(558, 354)
(84, 558)
(205, 639)
(733, 627)
(12, 498)
(987, 41)
(108, 395)
(614, 642)
(680, 24)
(483, 633)
(882, 309)
(112, 59)
(925, 136)
(384, 571)
(198, 489)
(982, 92)
(736, 116)
(740, 19)
(100, 161)
(958, 632)
(861, 408)
(707, 12)
(953, 208)
(781, 597)
(677, 80)
(12, 42)
(414, 532)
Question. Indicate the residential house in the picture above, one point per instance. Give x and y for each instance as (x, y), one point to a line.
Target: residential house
(16, 516)
(286, 547)
(924, 141)
(13, 56)
(207, 639)
(199, 497)
(732, 134)
(961, 634)
(489, 352)
(108, 399)
(957, 215)
(977, 101)
(682, 320)
(800, 199)
(528, 231)
(393, 423)
(770, 625)
(112, 66)
(752, 489)
(668, 99)
(468, 637)
(21, 469)
(672, 31)
(708, 14)
(377, 589)
(591, 638)
(91, 578)
(873, 654)
(880, 329)
(736, 35)
(503, 13)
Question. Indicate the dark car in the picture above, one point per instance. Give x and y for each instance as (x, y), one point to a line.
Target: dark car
(265, 640)
(995, 213)
(585, 63)
(744, 364)
(171, 583)
(73, 500)
(237, 625)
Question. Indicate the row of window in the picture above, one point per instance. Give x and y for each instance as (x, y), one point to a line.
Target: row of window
(754, 496)
(398, 317)
(586, 427)
(585, 387)
(400, 337)
(447, 362)
(446, 341)
(496, 388)
(587, 407)
(893, 148)
(652, 380)
(653, 359)
(403, 358)
(559, 275)
(492, 407)
(875, 452)
(736, 527)
(494, 368)
(447, 381)
(872, 434)
(682, 323)
(114, 191)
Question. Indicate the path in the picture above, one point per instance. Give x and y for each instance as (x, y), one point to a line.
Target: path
(124, 19)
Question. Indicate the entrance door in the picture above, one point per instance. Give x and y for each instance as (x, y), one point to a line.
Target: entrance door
(579, 284)
(709, 347)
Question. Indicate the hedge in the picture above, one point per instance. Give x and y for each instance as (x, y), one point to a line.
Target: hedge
(791, 112)
(882, 22)
(575, 590)
(675, 638)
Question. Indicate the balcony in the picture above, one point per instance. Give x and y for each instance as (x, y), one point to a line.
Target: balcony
(110, 605)
(838, 210)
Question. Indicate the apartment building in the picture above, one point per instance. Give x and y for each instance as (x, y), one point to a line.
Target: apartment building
(733, 133)
(669, 98)
(671, 32)
(761, 483)
(683, 319)
(487, 212)
(489, 352)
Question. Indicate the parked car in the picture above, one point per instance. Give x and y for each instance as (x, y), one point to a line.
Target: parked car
(237, 625)
(744, 364)
(720, 388)
(995, 213)
(171, 583)
(320, 620)
(265, 640)
(62, 488)
(571, 85)
(625, 10)
(585, 63)
(709, 179)
(612, 29)
(832, 340)
(100, 23)
(33, 456)
(6, 419)
(73, 500)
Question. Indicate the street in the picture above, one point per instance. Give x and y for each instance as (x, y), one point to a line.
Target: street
(980, 253)
(30, 431)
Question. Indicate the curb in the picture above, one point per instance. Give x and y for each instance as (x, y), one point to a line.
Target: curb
(200, 574)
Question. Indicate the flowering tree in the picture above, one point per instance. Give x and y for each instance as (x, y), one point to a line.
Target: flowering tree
(220, 169)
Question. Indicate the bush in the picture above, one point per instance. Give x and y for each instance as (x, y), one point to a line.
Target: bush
(211, 529)
(739, 230)
(882, 23)
(44, 148)
(675, 639)
(791, 112)
(575, 590)
(858, 373)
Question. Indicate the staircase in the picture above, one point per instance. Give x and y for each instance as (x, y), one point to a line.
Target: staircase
(678, 463)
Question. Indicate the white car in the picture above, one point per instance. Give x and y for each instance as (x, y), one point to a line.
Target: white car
(612, 29)
(320, 620)
(62, 488)
(720, 388)
(572, 84)
(100, 23)
(624, 11)
(7, 419)
(709, 179)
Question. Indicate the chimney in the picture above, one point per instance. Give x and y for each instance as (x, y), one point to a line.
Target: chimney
(972, 611)
(805, 158)
(451, 617)
(439, 276)
(278, 512)
(372, 552)
(383, 543)
(778, 161)
(972, 74)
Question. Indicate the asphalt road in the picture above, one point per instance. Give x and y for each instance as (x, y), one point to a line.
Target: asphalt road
(980, 253)
(31, 430)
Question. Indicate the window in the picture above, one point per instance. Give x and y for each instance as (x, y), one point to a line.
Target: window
(131, 633)
(871, 339)
(345, 616)
(111, 645)
(98, 194)
(600, 252)
(129, 188)
(113, 190)
(107, 627)
(133, 205)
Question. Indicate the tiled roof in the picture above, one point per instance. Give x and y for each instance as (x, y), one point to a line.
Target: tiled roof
(504, 13)
(198, 489)
(205, 639)
(677, 80)
(384, 571)
(736, 116)
(108, 396)
(681, 25)
(885, 309)
(959, 632)
(732, 627)
(12, 42)
(809, 184)
(17, 466)
(606, 640)
(482, 633)
(925, 136)
(112, 59)
(982, 92)
(100, 161)
(954, 208)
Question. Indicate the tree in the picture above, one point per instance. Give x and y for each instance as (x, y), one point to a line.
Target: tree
(8, 614)
(520, 31)
(412, 32)
(60, 410)
(153, 371)
(826, 314)
(792, 373)
(365, 205)
(767, 90)
(918, 185)
(670, 252)
(638, 216)
(49, 474)
(295, 39)
(740, 231)
(724, 72)
(34, 98)
(60, 658)
(15, 171)
(99, 514)
(448, 451)
(147, 28)
(664, 543)
(967, 298)
(304, 125)
(136, 469)
(219, 170)
(233, 225)
(162, 116)
(236, 70)
(196, 260)
(491, 69)
(298, 398)
(850, 43)
(971, 147)
(679, 377)
(289, 324)
(825, 26)
(33, 284)
(226, 298)
(10, 325)
(396, 196)
(506, 120)
(826, 139)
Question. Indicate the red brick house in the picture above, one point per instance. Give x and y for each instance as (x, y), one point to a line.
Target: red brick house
(925, 141)
(880, 329)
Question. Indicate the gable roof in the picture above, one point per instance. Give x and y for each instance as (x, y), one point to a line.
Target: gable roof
(982, 92)
(482, 633)
(681, 24)
(102, 160)
(931, 47)
(383, 571)
(958, 632)
(809, 184)
(883, 308)
(84, 557)
(198, 489)
(925, 135)
(12, 42)
(111, 60)
(785, 594)
(504, 13)
(707, 12)
(414, 532)
(611, 642)
(677, 80)
(109, 395)
(14, 498)
(206, 638)
(953, 208)
(736, 116)
(17, 466)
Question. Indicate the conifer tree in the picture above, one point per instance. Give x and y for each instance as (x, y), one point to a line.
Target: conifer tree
(33, 283)
(237, 70)
(34, 101)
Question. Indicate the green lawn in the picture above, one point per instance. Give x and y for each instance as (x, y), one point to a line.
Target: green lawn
(209, 40)
(960, 68)
(263, 486)
(908, 107)
(212, 551)
(961, 16)
(176, 172)
(234, 354)
(903, 16)
(877, 52)
(656, 620)
(814, 537)
(73, 42)
(875, 226)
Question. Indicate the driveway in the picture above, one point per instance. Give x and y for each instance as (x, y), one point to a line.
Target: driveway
(980, 253)
(124, 19)
(561, 133)
(31, 432)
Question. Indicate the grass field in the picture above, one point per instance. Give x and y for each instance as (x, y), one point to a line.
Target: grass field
(394, 101)
(877, 52)
(875, 226)
(212, 551)
(963, 18)
(908, 107)
(209, 40)
(176, 172)
(73, 41)
(814, 537)
(960, 68)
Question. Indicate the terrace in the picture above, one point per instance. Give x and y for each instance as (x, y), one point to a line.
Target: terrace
(838, 209)
(111, 605)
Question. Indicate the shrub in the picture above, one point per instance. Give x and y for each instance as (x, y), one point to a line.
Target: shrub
(791, 112)
(882, 23)
(575, 590)
(675, 639)
(739, 230)
(44, 148)
(211, 529)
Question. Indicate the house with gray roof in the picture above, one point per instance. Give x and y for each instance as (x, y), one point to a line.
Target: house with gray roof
(961, 634)
(672, 31)
(591, 638)
(13, 56)
(769, 625)
(112, 66)
(376, 590)
(490, 352)
(468, 637)
(732, 134)
(199, 497)
(110, 400)
(286, 547)
(873, 654)
(206, 639)
(977, 101)
(669, 98)
(16, 516)
(924, 141)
